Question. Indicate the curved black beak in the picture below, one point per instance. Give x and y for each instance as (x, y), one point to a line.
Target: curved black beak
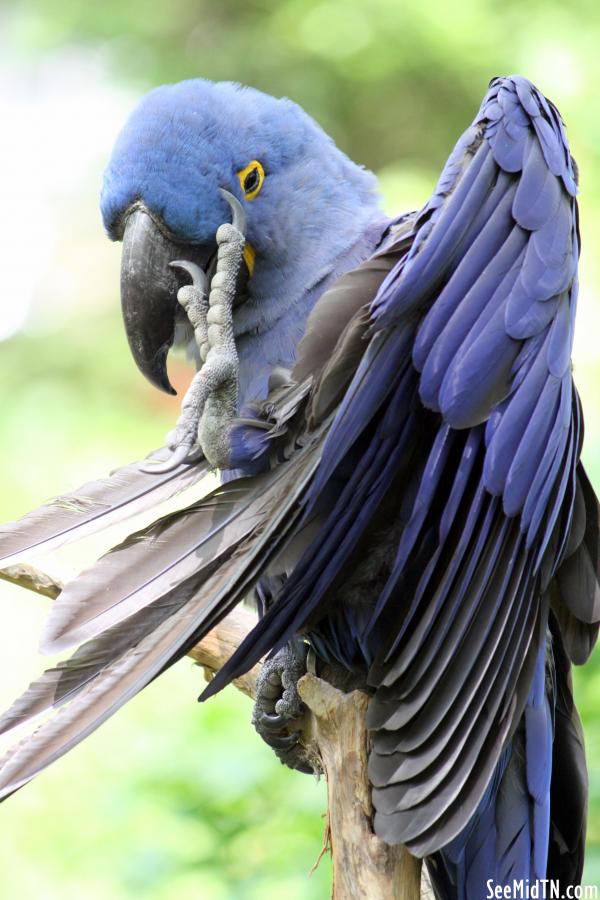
(149, 291)
(149, 287)
(149, 295)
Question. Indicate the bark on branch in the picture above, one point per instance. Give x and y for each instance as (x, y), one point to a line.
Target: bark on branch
(364, 867)
(32, 579)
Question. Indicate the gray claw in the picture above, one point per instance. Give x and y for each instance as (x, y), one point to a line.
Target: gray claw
(278, 706)
(195, 455)
(274, 722)
(196, 273)
(210, 401)
(299, 766)
(180, 454)
(284, 742)
(239, 216)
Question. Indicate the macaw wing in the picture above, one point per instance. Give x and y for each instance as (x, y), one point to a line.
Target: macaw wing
(461, 420)
(147, 601)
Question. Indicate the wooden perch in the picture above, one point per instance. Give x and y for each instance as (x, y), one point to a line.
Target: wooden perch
(219, 644)
(32, 579)
(364, 867)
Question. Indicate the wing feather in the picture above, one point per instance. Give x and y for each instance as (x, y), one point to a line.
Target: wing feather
(96, 505)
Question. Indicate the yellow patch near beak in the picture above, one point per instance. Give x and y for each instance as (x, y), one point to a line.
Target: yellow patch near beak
(249, 255)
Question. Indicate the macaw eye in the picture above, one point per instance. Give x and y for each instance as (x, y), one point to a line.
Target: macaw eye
(251, 179)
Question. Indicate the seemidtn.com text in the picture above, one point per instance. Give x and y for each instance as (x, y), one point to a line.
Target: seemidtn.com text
(544, 889)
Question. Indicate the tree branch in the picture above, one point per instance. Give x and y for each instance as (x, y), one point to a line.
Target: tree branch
(363, 865)
(334, 732)
(32, 579)
(214, 650)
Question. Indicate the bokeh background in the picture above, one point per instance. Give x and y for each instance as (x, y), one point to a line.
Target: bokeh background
(171, 800)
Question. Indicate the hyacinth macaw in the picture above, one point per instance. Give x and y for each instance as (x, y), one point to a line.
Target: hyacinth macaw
(392, 405)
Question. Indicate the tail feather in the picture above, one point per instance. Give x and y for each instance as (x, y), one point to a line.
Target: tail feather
(185, 546)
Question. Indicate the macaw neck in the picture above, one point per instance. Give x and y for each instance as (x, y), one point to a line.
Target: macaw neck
(265, 342)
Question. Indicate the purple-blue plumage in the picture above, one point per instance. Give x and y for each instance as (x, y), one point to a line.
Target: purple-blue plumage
(178, 148)
(486, 268)
(429, 483)
(421, 515)
(538, 192)
(470, 338)
(428, 259)
(502, 446)
(533, 445)
(386, 355)
(459, 421)
(508, 836)
(545, 476)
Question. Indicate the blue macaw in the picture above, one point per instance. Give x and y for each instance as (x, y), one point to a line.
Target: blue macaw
(392, 405)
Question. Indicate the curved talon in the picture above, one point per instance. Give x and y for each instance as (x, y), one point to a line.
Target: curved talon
(179, 455)
(196, 273)
(195, 455)
(278, 709)
(286, 742)
(275, 722)
(239, 216)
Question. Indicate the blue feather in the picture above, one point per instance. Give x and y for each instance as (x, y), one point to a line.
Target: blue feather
(552, 511)
(528, 96)
(551, 145)
(498, 231)
(560, 340)
(423, 270)
(478, 378)
(430, 479)
(538, 193)
(524, 318)
(475, 309)
(512, 423)
(544, 480)
(446, 585)
(508, 146)
(540, 279)
(534, 512)
(531, 447)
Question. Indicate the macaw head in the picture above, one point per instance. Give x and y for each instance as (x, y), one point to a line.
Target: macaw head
(306, 205)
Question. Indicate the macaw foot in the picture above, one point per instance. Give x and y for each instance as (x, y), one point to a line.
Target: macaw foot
(278, 708)
(210, 402)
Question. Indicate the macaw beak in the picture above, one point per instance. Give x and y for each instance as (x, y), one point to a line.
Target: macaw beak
(149, 291)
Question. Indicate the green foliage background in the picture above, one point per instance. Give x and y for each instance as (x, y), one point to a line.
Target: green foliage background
(171, 800)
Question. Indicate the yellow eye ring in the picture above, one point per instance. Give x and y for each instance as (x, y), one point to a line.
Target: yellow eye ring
(251, 179)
